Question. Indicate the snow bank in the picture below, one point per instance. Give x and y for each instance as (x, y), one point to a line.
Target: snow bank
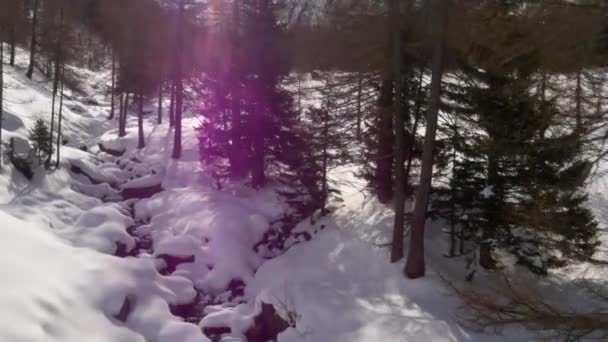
(218, 229)
(56, 292)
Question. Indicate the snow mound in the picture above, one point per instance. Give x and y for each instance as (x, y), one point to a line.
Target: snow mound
(56, 292)
(216, 228)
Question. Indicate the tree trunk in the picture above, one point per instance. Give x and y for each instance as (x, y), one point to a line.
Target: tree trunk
(112, 101)
(299, 97)
(172, 106)
(125, 112)
(30, 68)
(160, 101)
(237, 162)
(579, 103)
(140, 121)
(399, 188)
(486, 260)
(1, 94)
(60, 119)
(384, 158)
(415, 265)
(359, 98)
(410, 152)
(258, 163)
(325, 187)
(177, 143)
(56, 77)
(120, 114)
(453, 193)
(13, 42)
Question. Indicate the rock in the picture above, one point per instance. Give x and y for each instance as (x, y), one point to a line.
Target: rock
(191, 312)
(112, 152)
(91, 101)
(215, 334)
(77, 170)
(172, 262)
(140, 193)
(22, 165)
(127, 307)
(267, 325)
(121, 251)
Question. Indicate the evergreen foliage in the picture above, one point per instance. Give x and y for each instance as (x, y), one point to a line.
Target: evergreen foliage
(40, 138)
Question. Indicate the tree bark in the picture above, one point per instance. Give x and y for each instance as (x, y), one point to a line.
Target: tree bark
(13, 42)
(384, 158)
(60, 119)
(359, 99)
(410, 152)
(112, 101)
(1, 94)
(120, 114)
(30, 68)
(237, 161)
(160, 101)
(56, 77)
(258, 163)
(125, 111)
(578, 98)
(415, 265)
(177, 143)
(172, 106)
(140, 121)
(399, 113)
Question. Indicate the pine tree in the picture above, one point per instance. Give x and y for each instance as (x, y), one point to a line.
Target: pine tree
(329, 146)
(40, 137)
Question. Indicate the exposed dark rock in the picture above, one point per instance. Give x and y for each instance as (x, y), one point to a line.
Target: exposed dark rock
(84, 148)
(140, 193)
(127, 307)
(172, 262)
(267, 325)
(236, 288)
(22, 165)
(112, 152)
(122, 250)
(77, 170)
(190, 312)
(91, 101)
(215, 334)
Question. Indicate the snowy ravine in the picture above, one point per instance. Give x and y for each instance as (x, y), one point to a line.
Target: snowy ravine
(84, 264)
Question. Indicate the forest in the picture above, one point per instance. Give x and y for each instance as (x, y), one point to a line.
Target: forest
(304, 170)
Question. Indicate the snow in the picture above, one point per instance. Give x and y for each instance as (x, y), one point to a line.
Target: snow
(487, 192)
(192, 218)
(61, 282)
(56, 292)
(143, 182)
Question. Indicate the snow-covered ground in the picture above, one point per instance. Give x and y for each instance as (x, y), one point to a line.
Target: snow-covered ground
(60, 280)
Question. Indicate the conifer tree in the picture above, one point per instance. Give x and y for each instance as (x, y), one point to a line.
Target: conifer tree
(40, 137)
